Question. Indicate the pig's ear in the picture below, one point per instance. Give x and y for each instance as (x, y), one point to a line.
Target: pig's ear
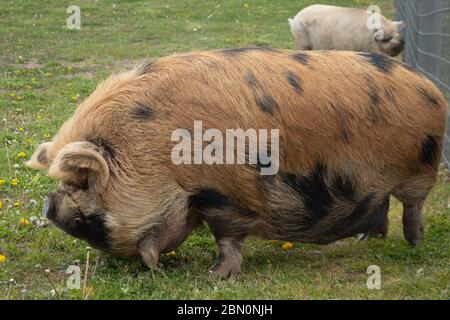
(78, 162)
(378, 35)
(399, 25)
(40, 160)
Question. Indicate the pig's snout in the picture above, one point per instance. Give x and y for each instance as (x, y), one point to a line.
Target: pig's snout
(49, 207)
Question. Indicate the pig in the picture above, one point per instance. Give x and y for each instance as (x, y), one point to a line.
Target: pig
(354, 129)
(324, 27)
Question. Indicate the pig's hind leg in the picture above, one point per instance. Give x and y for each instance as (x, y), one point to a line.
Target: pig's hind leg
(412, 194)
(230, 229)
(378, 222)
(229, 223)
(230, 257)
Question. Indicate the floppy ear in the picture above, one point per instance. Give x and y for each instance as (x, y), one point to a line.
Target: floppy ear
(40, 159)
(378, 35)
(80, 161)
(399, 25)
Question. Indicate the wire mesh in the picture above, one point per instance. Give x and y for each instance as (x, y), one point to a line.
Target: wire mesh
(427, 47)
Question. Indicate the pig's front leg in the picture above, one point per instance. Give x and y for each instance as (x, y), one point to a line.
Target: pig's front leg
(165, 237)
(230, 258)
(149, 250)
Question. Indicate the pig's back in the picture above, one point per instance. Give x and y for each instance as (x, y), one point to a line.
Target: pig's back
(324, 103)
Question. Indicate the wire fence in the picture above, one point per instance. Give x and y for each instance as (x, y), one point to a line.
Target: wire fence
(427, 47)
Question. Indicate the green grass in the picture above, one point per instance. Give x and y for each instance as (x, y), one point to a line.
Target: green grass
(47, 69)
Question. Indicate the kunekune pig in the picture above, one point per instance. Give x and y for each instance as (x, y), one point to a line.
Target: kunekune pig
(354, 128)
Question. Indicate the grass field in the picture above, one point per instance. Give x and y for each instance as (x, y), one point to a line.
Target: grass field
(46, 70)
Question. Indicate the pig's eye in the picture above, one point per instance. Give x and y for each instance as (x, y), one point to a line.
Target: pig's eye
(81, 185)
(386, 40)
(84, 184)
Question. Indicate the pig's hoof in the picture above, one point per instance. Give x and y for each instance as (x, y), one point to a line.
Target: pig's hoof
(379, 234)
(362, 237)
(414, 236)
(225, 271)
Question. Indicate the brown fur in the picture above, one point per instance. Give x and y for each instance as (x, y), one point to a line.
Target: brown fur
(344, 118)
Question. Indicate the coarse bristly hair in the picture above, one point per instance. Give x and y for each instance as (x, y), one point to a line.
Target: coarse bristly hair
(354, 129)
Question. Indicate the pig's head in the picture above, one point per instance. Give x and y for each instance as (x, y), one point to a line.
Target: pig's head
(82, 205)
(389, 38)
(76, 206)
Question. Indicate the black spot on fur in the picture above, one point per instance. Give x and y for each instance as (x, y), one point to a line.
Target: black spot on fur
(429, 98)
(93, 229)
(267, 103)
(429, 153)
(303, 58)
(381, 62)
(208, 198)
(294, 81)
(351, 224)
(143, 112)
(342, 123)
(236, 51)
(312, 189)
(374, 101)
(251, 80)
(343, 187)
(263, 99)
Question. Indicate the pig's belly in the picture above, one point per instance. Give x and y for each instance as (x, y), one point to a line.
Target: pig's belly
(332, 229)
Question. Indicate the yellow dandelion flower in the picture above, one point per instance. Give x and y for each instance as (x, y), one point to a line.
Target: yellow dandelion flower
(1, 204)
(21, 154)
(46, 136)
(2, 258)
(13, 94)
(16, 204)
(14, 182)
(24, 221)
(21, 129)
(29, 140)
(2, 181)
(246, 5)
(287, 246)
(39, 117)
(19, 98)
(47, 74)
(69, 68)
(171, 254)
(74, 98)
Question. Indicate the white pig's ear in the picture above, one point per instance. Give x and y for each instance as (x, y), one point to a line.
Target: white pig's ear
(78, 162)
(378, 35)
(399, 25)
(40, 159)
